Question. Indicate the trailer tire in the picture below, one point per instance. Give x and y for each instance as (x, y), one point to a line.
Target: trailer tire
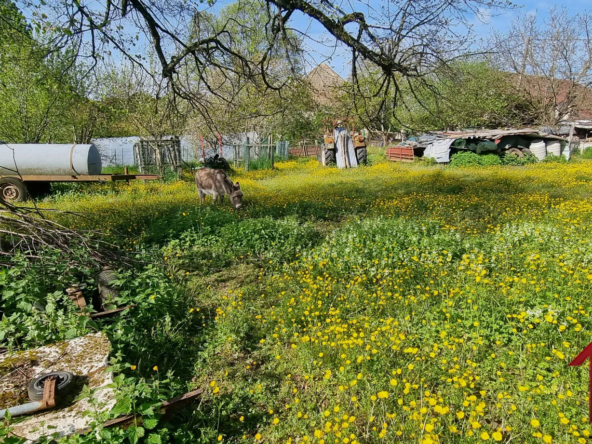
(516, 152)
(527, 152)
(13, 190)
(362, 156)
(64, 384)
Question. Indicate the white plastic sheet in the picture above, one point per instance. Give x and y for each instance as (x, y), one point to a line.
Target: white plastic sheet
(439, 150)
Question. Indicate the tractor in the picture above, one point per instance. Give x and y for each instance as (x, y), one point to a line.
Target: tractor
(342, 145)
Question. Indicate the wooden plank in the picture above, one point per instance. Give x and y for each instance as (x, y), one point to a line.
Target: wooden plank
(167, 407)
(108, 313)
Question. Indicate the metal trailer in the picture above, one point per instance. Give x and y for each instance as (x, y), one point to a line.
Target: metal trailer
(28, 169)
(17, 188)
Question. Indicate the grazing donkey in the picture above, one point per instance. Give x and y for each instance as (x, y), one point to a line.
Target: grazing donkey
(216, 183)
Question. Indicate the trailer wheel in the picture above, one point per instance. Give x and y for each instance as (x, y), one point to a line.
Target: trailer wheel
(516, 152)
(527, 152)
(362, 156)
(13, 190)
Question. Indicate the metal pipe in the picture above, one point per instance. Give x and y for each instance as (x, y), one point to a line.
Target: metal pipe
(24, 409)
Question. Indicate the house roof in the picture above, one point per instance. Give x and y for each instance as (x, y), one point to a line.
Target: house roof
(325, 83)
(555, 91)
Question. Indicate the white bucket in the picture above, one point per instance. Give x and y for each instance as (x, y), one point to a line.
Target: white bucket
(554, 147)
(538, 149)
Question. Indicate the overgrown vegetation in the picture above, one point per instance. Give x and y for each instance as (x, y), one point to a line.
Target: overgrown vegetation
(386, 303)
(468, 158)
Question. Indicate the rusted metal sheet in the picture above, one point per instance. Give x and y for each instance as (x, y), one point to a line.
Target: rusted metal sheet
(497, 134)
(400, 154)
(96, 178)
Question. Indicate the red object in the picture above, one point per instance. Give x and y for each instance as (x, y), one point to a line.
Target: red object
(579, 360)
(400, 153)
(203, 152)
(220, 143)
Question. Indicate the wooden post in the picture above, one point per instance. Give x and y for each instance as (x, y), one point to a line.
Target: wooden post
(271, 154)
(246, 154)
(570, 138)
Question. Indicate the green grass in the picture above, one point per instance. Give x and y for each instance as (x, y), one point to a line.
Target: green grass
(381, 304)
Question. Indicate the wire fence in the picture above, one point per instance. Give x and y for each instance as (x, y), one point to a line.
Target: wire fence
(120, 152)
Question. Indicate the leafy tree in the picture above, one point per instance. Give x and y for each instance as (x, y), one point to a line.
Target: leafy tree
(460, 95)
(237, 102)
(35, 88)
(406, 40)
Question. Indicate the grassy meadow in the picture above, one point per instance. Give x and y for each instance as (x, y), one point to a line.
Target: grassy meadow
(389, 303)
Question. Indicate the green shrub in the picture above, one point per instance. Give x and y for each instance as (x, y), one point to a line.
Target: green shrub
(513, 159)
(467, 159)
(428, 161)
(587, 154)
(490, 159)
(552, 158)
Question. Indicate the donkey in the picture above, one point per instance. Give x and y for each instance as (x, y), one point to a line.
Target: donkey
(216, 183)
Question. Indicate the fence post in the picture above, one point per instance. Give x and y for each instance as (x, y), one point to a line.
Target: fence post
(246, 154)
(272, 155)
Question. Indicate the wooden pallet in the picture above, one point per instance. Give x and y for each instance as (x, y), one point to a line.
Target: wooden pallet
(400, 154)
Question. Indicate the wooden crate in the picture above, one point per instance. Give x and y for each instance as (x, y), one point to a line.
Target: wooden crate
(400, 154)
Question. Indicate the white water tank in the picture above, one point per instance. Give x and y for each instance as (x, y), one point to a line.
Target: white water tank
(539, 149)
(554, 147)
(49, 159)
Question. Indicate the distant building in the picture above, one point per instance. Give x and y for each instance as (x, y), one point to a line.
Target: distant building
(564, 99)
(325, 84)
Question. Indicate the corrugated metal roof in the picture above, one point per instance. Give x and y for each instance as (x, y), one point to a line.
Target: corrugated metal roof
(496, 134)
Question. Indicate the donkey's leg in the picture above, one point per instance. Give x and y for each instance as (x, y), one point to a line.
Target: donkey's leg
(202, 197)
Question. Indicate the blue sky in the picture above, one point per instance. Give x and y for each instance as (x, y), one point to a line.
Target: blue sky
(338, 59)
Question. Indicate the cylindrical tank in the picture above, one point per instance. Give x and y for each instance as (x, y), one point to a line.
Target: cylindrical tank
(49, 159)
(538, 148)
(554, 147)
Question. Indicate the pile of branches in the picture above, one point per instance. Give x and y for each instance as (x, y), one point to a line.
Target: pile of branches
(26, 231)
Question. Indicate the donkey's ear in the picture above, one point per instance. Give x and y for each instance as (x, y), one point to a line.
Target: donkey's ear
(237, 185)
